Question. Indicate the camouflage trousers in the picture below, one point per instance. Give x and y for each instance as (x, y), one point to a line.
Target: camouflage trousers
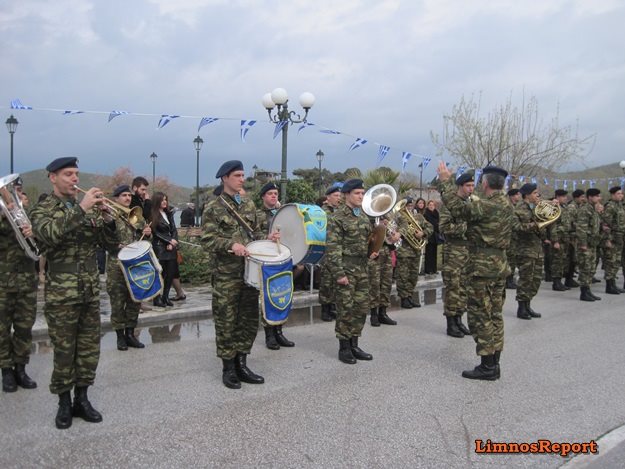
(612, 258)
(560, 260)
(486, 297)
(74, 330)
(124, 311)
(455, 260)
(512, 260)
(352, 301)
(407, 276)
(380, 279)
(235, 312)
(530, 276)
(18, 310)
(326, 285)
(586, 265)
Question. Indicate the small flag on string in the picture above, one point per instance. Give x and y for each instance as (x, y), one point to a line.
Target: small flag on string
(426, 161)
(279, 126)
(583, 182)
(68, 113)
(405, 156)
(329, 131)
(521, 178)
(533, 180)
(303, 126)
(478, 173)
(460, 171)
(565, 185)
(382, 152)
(592, 183)
(246, 125)
(358, 143)
(507, 181)
(574, 184)
(17, 104)
(165, 119)
(114, 114)
(206, 121)
(546, 181)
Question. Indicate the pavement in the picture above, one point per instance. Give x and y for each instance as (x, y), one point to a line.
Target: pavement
(165, 405)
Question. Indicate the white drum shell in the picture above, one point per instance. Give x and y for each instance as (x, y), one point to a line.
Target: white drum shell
(253, 263)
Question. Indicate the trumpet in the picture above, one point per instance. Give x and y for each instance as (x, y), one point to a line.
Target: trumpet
(132, 216)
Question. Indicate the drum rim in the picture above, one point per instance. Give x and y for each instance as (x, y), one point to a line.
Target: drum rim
(130, 247)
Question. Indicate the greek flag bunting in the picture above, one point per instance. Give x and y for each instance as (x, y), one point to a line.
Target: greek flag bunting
(460, 171)
(405, 156)
(330, 131)
(279, 126)
(533, 180)
(358, 143)
(68, 113)
(303, 126)
(206, 121)
(165, 119)
(478, 173)
(565, 184)
(17, 104)
(426, 161)
(382, 152)
(246, 125)
(114, 114)
(521, 178)
(546, 181)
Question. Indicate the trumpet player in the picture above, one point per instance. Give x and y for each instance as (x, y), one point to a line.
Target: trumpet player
(69, 232)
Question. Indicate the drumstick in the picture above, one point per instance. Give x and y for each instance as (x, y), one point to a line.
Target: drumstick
(257, 254)
(142, 235)
(278, 240)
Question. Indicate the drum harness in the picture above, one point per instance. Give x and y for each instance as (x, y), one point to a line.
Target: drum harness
(247, 228)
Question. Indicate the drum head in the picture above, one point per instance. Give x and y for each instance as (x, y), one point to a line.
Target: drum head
(270, 248)
(134, 250)
(293, 228)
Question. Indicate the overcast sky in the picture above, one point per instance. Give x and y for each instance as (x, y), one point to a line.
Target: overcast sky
(382, 70)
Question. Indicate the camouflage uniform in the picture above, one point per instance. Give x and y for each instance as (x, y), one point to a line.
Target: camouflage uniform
(614, 218)
(455, 261)
(408, 258)
(587, 231)
(265, 216)
(346, 255)
(529, 253)
(69, 238)
(573, 207)
(512, 251)
(561, 234)
(235, 304)
(327, 285)
(18, 299)
(381, 278)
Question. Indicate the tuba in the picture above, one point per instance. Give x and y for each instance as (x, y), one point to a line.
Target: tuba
(546, 213)
(416, 243)
(377, 202)
(12, 208)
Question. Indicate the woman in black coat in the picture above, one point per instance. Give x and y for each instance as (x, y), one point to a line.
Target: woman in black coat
(165, 244)
(431, 249)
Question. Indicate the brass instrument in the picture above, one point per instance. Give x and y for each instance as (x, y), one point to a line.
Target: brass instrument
(11, 207)
(409, 236)
(132, 216)
(546, 213)
(377, 202)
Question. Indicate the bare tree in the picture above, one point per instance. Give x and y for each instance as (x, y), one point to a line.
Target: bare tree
(512, 137)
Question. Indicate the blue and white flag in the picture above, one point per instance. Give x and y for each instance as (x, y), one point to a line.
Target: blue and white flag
(533, 180)
(460, 171)
(546, 181)
(303, 126)
(478, 173)
(565, 185)
(165, 119)
(114, 114)
(521, 178)
(574, 184)
(507, 181)
(206, 121)
(583, 182)
(426, 161)
(246, 125)
(279, 126)
(382, 152)
(17, 104)
(405, 156)
(358, 143)
(329, 131)
(622, 182)
(592, 183)
(68, 113)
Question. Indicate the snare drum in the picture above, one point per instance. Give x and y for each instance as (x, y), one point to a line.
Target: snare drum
(142, 271)
(263, 253)
(303, 229)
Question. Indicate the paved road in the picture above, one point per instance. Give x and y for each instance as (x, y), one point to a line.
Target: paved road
(562, 379)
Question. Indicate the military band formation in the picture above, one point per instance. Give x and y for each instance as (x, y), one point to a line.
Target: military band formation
(361, 239)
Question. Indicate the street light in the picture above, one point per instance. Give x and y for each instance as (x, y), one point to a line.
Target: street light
(197, 141)
(421, 180)
(255, 168)
(320, 156)
(12, 126)
(153, 157)
(280, 98)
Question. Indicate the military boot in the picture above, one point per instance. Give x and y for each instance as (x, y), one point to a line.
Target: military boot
(522, 312)
(8, 380)
(63, 418)
(345, 352)
(82, 406)
(121, 340)
(282, 341)
(510, 284)
(452, 327)
(270, 339)
(326, 314)
(595, 280)
(415, 302)
(406, 303)
(333, 311)
(131, 340)
(229, 375)
(557, 285)
(383, 317)
(486, 370)
(357, 352)
(610, 287)
(375, 321)
(584, 294)
(570, 282)
(496, 360)
(531, 312)
(244, 373)
(464, 329)
(22, 378)
(595, 297)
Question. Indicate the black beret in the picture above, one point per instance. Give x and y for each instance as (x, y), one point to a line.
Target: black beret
(592, 192)
(218, 190)
(119, 190)
(61, 163)
(228, 167)
(561, 193)
(351, 185)
(528, 188)
(270, 186)
(512, 192)
(495, 170)
(464, 178)
(409, 200)
(577, 193)
(615, 189)
(336, 187)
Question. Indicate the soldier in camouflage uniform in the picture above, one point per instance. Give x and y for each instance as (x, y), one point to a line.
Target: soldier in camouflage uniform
(69, 233)
(530, 251)
(588, 231)
(579, 199)
(347, 257)
(560, 237)
(514, 196)
(408, 259)
(269, 193)
(455, 260)
(229, 223)
(381, 279)
(614, 219)
(124, 311)
(18, 301)
(490, 221)
(326, 284)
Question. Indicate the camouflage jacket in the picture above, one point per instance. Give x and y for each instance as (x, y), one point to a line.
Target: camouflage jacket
(329, 209)
(490, 221)
(68, 238)
(528, 236)
(347, 240)
(17, 270)
(221, 230)
(406, 250)
(454, 229)
(562, 229)
(265, 216)
(614, 217)
(587, 226)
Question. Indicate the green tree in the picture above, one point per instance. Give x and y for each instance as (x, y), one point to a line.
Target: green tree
(301, 192)
(382, 175)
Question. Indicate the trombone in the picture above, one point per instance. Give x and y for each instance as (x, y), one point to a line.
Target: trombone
(131, 216)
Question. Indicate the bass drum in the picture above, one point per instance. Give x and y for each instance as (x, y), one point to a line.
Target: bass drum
(303, 230)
